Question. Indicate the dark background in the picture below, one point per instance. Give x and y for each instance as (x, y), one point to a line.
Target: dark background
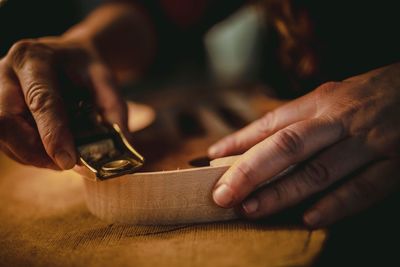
(369, 239)
(29, 19)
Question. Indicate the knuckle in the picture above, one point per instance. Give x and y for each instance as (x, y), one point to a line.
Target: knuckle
(337, 123)
(327, 87)
(346, 109)
(247, 173)
(21, 46)
(289, 143)
(266, 123)
(384, 142)
(38, 98)
(299, 190)
(19, 51)
(280, 192)
(25, 50)
(316, 174)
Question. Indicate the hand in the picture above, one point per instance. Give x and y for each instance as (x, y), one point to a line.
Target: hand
(33, 121)
(346, 137)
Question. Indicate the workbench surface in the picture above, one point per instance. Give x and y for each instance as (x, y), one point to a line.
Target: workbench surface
(45, 222)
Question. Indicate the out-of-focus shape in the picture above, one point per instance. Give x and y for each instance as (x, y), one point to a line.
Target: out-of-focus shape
(2, 2)
(140, 116)
(233, 46)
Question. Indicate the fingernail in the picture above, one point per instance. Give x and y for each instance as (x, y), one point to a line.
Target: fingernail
(223, 196)
(64, 160)
(312, 218)
(250, 205)
(214, 151)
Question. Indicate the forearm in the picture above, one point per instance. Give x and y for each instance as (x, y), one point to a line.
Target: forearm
(121, 34)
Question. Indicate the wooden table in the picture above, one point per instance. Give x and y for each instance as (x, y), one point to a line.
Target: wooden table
(45, 222)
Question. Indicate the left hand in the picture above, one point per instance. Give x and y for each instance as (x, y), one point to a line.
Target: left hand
(34, 127)
(343, 132)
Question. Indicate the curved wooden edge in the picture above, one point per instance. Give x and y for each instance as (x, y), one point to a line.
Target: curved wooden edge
(165, 197)
(219, 162)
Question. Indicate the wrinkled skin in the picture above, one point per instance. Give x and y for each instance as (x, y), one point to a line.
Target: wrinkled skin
(342, 132)
(33, 121)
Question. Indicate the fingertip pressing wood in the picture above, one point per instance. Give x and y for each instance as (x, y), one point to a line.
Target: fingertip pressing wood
(43, 211)
(164, 197)
(167, 197)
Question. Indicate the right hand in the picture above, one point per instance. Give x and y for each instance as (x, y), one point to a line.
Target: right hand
(33, 122)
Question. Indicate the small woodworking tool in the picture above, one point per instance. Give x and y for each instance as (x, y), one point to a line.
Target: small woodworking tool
(102, 147)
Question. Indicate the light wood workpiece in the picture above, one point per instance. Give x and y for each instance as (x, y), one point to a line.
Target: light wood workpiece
(45, 221)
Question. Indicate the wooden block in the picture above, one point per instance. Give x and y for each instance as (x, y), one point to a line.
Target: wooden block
(158, 198)
(45, 220)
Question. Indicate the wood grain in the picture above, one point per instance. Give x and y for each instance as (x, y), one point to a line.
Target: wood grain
(158, 198)
(45, 220)
(161, 198)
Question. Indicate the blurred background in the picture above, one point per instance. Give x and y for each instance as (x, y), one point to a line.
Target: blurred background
(29, 19)
(228, 55)
(246, 48)
(234, 54)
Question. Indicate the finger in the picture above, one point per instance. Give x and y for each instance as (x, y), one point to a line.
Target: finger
(23, 144)
(319, 173)
(19, 136)
(33, 66)
(288, 146)
(369, 187)
(107, 98)
(9, 154)
(240, 141)
(40, 164)
(11, 97)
